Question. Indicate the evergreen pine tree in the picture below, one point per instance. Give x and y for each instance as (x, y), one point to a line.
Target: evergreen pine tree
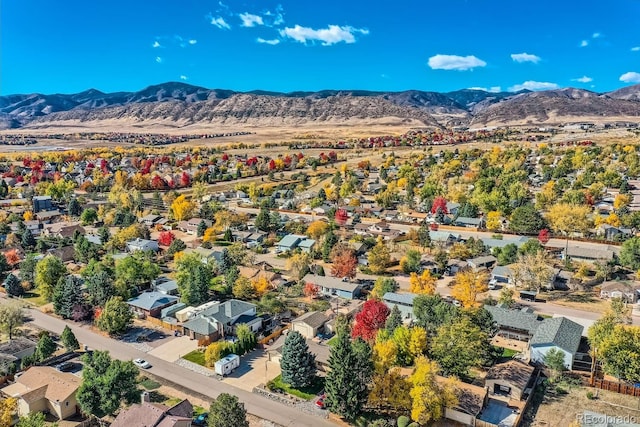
(12, 286)
(4, 188)
(225, 261)
(4, 264)
(394, 320)
(100, 288)
(176, 246)
(104, 234)
(341, 383)
(363, 369)
(228, 235)
(45, 347)
(28, 241)
(69, 340)
(66, 295)
(202, 227)
(298, 365)
(263, 220)
(330, 240)
(74, 208)
(424, 238)
(227, 411)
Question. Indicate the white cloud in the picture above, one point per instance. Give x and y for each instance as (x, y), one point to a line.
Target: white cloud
(584, 43)
(630, 77)
(272, 42)
(455, 62)
(525, 57)
(250, 20)
(219, 22)
(533, 85)
(492, 89)
(331, 35)
(583, 79)
(635, 49)
(159, 59)
(275, 18)
(193, 41)
(183, 77)
(156, 44)
(596, 35)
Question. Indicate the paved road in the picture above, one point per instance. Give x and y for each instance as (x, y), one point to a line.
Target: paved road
(255, 404)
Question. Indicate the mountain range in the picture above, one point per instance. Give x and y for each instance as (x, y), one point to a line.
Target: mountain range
(181, 105)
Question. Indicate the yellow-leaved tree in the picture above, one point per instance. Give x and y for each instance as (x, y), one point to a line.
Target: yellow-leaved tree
(468, 284)
(7, 409)
(424, 284)
(430, 395)
(385, 354)
(494, 221)
(182, 208)
(317, 229)
(28, 216)
(569, 218)
(261, 285)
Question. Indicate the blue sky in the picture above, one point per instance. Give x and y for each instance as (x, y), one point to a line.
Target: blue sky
(71, 45)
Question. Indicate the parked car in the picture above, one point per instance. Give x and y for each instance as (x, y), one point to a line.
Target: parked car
(141, 363)
(200, 420)
(320, 401)
(493, 284)
(65, 366)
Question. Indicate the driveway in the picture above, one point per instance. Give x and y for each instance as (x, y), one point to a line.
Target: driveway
(175, 348)
(254, 369)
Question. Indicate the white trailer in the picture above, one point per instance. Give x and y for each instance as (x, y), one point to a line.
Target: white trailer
(227, 364)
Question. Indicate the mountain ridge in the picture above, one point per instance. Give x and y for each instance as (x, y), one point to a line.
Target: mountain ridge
(187, 104)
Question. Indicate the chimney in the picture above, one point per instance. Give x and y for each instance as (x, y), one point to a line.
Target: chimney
(145, 397)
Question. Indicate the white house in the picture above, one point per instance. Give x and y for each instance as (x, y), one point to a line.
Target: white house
(559, 333)
(142, 245)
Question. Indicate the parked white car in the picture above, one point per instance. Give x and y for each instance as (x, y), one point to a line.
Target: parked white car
(141, 363)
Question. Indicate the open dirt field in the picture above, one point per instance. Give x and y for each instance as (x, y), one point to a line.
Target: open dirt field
(560, 410)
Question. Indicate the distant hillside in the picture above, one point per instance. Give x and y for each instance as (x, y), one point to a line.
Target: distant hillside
(179, 104)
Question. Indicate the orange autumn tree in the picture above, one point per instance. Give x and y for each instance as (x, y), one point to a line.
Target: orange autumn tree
(424, 283)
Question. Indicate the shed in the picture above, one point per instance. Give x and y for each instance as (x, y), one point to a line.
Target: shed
(309, 324)
(510, 378)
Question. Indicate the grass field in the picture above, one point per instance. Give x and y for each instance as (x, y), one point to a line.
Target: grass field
(196, 356)
(306, 393)
(34, 298)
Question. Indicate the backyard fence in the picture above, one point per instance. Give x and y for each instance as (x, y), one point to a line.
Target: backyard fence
(616, 387)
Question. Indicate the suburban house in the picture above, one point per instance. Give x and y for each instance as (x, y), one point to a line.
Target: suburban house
(491, 243)
(627, 291)
(471, 401)
(482, 262)
(214, 320)
(333, 286)
(559, 333)
(309, 324)
(142, 245)
(253, 273)
(206, 255)
(443, 238)
(164, 285)
(306, 245)
(464, 221)
(33, 226)
(152, 220)
(509, 379)
(453, 208)
(250, 238)
(191, 226)
(404, 302)
(149, 414)
(15, 350)
(289, 242)
(513, 324)
(45, 217)
(41, 203)
(65, 253)
(578, 253)
(62, 229)
(502, 274)
(321, 351)
(378, 229)
(609, 232)
(150, 304)
(44, 389)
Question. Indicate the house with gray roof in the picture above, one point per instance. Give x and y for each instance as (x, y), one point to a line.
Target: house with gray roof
(220, 319)
(486, 261)
(142, 245)
(207, 256)
(491, 243)
(514, 324)
(404, 302)
(559, 333)
(14, 350)
(464, 221)
(502, 274)
(444, 237)
(306, 245)
(151, 303)
(333, 286)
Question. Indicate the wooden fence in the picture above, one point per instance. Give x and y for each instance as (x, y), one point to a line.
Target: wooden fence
(275, 334)
(616, 387)
(165, 325)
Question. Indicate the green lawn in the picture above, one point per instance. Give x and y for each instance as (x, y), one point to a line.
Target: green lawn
(149, 384)
(332, 341)
(306, 393)
(196, 356)
(507, 352)
(34, 298)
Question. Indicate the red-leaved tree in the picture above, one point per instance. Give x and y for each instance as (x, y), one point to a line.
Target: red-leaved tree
(311, 290)
(370, 319)
(439, 203)
(543, 236)
(341, 216)
(165, 238)
(344, 264)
